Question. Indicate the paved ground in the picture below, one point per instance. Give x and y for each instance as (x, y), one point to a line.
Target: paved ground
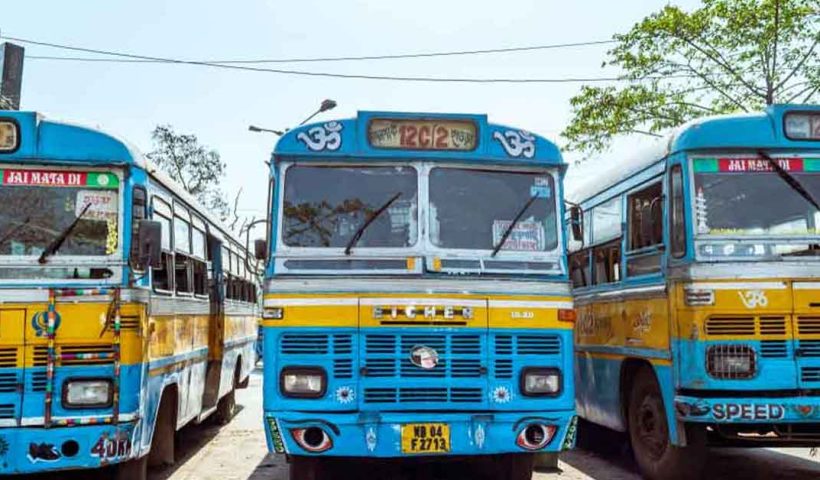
(238, 452)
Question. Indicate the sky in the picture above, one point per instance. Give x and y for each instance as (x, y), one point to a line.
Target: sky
(218, 105)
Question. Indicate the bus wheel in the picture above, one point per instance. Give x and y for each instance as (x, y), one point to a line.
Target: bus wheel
(656, 457)
(133, 470)
(226, 408)
(162, 443)
(307, 468)
(515, 466)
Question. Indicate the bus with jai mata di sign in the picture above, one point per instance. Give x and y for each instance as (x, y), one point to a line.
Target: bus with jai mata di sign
(126, 311)
(416, 301)
(696, 272)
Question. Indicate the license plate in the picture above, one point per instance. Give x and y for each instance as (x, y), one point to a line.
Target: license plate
(425, 438)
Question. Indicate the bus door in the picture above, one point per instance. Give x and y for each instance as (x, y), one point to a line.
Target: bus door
(216, 323)
(12, 362)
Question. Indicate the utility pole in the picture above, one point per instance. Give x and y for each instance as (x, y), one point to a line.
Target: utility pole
(11, 75)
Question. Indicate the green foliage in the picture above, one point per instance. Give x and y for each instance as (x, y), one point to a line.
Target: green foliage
(198, 169)
(727, 56)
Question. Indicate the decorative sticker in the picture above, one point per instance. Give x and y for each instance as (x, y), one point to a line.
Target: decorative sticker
(572, 431)
(111, 447)
(111, 240)
(345, 394)
(541, 188)
(103, 204)
(324, 137)
(501, 395)
(43, 452)
(518, 143)
(525, 237)
(276, 437)
(59, 178)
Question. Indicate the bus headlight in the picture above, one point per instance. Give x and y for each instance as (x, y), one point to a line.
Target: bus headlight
(303, 382)
(87, 393)
(730, 361)
(536, 381)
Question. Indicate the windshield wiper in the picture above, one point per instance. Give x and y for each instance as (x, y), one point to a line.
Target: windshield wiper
(55, 244)
(14, 230)
(360, 231)
(790, 180)
(515, 221)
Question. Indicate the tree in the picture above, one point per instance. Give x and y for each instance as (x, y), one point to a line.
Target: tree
(198, 169)
(727, 56)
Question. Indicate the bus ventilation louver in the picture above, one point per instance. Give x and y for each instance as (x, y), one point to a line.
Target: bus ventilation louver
(808, 325)
(731, 362)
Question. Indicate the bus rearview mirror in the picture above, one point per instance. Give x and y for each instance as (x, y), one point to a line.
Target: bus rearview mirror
(576, 217)
(260, 249)
(149, 242)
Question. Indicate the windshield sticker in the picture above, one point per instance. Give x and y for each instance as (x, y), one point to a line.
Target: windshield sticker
(525, 237)
(755, 165)
(48, 178)
(541, 188)
(701, 211)
(103, 205)
(111, 239)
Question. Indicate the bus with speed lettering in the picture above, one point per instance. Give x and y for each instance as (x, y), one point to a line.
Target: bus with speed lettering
(696, 273)
(416, 303)
(126, 310)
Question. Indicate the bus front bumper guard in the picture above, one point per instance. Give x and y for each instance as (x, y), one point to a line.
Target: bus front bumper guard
(748, 409)
(380, 434)
(37, 449)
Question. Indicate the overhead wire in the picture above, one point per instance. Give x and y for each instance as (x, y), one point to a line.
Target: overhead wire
(211, 64)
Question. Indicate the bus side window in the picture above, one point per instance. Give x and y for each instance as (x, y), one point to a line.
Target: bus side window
(199, 258)
(139, 211)
(607, 262)
(677, 221)
(163, 280)
(182, 245)
(579, 268)
(645, 230)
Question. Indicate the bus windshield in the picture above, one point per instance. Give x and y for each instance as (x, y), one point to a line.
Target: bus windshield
(472, 209)
(327, 206)
(36, 215)
(745, 197)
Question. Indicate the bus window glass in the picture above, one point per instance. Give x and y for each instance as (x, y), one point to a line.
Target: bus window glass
(645, 217)
(606, 220)
(677, 227)
(742, 197)
(325, 206)
(198, 243)
(182, 235)
(40, 214)
(471, 209)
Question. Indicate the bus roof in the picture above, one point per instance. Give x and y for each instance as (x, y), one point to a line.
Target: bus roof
(747, 131)
(50, 142)
(379, 136)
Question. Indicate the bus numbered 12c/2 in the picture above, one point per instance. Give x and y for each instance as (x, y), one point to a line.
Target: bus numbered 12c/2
(698, 291)
(416, 299)
(126, 311)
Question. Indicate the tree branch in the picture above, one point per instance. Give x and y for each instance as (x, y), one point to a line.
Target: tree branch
(799, 65)
(714, 86)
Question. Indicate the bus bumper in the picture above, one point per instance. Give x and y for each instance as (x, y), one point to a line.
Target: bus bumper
(740, 410)
(380, 434)
(37, 449)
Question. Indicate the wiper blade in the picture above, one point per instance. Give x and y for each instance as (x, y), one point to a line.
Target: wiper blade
(515, 221)
(790, 180)
(14, 230)
(55, 244)
(360, 231)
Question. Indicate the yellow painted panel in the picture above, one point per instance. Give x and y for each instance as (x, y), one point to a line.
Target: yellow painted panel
(646, 323)
(12, 326)
(317, 316)
(526, 317)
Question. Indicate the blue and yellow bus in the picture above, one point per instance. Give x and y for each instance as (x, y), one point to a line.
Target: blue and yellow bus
(126, 311)
(416, 301)
(696, 272)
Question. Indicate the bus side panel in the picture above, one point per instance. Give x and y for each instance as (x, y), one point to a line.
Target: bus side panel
(597, 386)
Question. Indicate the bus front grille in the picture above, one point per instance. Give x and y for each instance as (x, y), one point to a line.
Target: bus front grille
(423, 395)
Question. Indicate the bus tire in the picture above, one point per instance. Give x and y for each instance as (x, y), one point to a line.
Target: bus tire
(656, 457)
(515, 466)
(164, 438)
(226, 407)
(307, 468)
(136, 469)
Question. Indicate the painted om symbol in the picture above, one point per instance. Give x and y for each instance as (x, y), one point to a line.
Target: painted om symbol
(325, 137)
(517, 144)
(753, 298)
